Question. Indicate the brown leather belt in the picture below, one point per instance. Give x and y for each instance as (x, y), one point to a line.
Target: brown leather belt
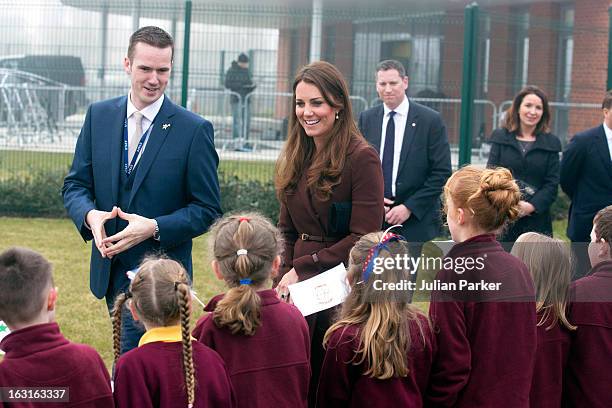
(307, 237)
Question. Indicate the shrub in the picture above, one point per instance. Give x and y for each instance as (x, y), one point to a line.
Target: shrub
(37, 194)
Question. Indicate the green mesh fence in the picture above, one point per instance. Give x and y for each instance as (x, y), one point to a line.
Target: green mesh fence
(69, 53)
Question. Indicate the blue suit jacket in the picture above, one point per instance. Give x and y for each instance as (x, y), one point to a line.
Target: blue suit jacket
(175, 182)
(586, 177)
(425, 165)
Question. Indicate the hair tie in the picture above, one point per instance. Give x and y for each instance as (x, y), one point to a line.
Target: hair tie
(242, 251)
(246, 281)
(244, 219)
(368, 265)
(128, 294)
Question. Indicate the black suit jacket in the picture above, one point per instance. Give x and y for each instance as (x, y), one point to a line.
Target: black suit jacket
(586, 177)
(424, 167)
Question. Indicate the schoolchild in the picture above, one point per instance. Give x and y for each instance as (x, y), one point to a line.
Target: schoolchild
(167, 369)
(550, 264)
(587, 382)
(37, 354)
(379, 353)
(486, 323)
(263, 341)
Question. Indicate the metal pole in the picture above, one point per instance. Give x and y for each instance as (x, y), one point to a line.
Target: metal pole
(468, 81)
(609, 83)
(104, 45)
(315, 30)
(135, 15)
(185, 85)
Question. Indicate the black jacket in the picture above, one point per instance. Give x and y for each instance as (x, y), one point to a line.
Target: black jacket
(539, 168)
(238, 79)
(586, 177)
(424, 167)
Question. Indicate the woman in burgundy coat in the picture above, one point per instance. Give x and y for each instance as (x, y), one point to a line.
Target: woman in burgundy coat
(483, 308)
(330, 187)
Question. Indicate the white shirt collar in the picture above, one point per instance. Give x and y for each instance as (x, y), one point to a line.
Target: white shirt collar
(148, 112)
(402, 109)
(608, 131)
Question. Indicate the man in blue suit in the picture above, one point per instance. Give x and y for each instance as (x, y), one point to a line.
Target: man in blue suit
(144, 175)
(415, 155)
(586, 177)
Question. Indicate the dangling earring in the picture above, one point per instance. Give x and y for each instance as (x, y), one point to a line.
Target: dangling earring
(337, 117)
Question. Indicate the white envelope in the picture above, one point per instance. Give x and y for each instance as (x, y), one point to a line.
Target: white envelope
(328, 289)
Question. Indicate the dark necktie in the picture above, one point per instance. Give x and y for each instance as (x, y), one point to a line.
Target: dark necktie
(388, 153)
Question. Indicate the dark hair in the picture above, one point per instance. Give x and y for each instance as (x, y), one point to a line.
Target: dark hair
(25, 277)
(603, 225)
(243, 57)
(391, 64)
(513, 121)
(153, 36)
(239, 310)
(327, 165)
(160, 293)
(607, 101)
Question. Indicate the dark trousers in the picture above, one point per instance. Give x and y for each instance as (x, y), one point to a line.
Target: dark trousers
(131, 331)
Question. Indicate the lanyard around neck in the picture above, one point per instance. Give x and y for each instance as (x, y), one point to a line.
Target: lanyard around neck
(129, 167)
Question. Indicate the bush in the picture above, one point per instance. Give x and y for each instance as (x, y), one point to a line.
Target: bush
(38, 195)
(559, 210)
(248, 195)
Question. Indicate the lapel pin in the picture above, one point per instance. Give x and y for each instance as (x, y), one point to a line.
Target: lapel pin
(167, 125)
(413, 124)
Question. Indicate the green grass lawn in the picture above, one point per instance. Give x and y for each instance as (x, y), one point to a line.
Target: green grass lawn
(82, 317)
(26, 162)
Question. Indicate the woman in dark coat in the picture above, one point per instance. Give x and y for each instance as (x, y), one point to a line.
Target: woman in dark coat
(525, 147)
(330, 187)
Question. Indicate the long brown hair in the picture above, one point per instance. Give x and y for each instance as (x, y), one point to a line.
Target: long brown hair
(323, 169)
(513, 121)
(550, 263)
(382, 316)
(491, 195)
(244, 246)
(160, 294)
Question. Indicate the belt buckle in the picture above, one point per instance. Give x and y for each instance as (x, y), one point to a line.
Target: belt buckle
(304, 237)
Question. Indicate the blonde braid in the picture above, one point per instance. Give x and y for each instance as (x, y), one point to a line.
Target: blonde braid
(117, 312)
(183, 300)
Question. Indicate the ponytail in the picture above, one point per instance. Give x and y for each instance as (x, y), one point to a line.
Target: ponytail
(183, 294)
(116, 320)
(245, 248)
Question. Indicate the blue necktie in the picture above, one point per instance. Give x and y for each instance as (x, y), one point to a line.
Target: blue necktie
(388, 153)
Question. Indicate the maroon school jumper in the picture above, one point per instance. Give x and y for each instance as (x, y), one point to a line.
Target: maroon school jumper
(40, 356)
(151, 376)
(486, 339)
(342, 384)
(270, 368)
(588, 376)
(550, 364)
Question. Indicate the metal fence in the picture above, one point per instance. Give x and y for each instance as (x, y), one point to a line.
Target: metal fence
(77, 48)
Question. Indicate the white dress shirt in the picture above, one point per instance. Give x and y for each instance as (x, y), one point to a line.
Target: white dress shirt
(609, 137)
(401, 115)
(148, 115)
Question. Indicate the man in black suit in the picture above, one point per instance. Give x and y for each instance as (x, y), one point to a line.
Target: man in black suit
(586, 177)
(415, 159)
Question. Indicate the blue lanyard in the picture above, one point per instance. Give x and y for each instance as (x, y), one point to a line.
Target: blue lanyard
(129, 167)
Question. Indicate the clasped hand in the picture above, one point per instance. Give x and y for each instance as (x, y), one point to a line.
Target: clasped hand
(139, 229)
